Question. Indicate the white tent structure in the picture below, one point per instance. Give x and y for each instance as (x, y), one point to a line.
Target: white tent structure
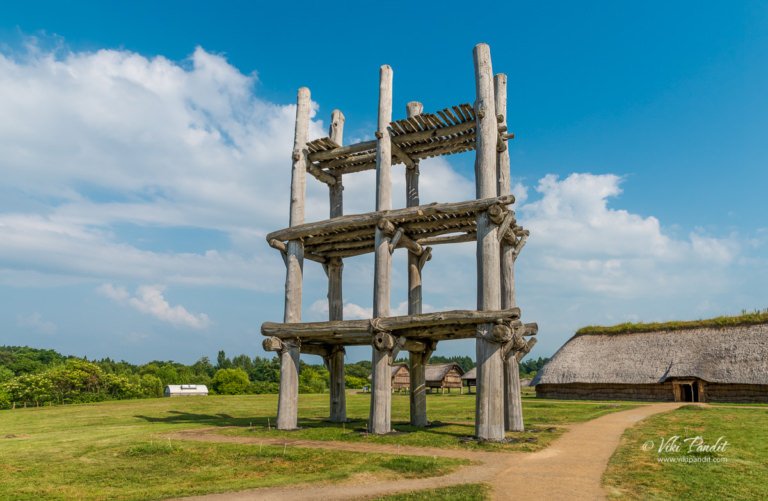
(186, 390)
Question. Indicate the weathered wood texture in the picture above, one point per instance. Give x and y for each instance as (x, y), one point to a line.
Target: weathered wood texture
(335, 269)
(336, 191)
(355, 234)
(513, 405)
(489, 418)
(337, 389)
(397, 324)
(288, 400)
(288, 396)
(381, 394)
(513, 415)
(418, 395)
(504, 178)
(413, 108)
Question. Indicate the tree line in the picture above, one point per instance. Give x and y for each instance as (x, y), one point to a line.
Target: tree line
(34, 377)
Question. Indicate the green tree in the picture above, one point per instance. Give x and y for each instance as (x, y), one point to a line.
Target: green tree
(5, 399)
(265, 369)
(312, 379)
(222, 362)
(151, 386)
(230, 382)
(6, 374)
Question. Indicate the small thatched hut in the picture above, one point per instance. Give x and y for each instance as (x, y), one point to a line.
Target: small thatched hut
(443, 376)
(470, 379)
(689, 362)
(401, 377)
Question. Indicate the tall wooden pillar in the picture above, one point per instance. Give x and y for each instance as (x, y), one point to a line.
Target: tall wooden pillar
(288, 399)
(513, 404)
(335, 269)
(381, 394)
(489, 418)
(418, 360)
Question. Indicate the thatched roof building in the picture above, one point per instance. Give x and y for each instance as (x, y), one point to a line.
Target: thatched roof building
(401, 377)
(442, 376)
(696, 362)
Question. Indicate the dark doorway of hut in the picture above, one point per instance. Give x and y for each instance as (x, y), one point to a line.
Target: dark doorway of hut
(689, 392)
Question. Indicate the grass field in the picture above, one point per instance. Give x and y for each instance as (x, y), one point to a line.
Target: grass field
(116, 450)
(740, 471)
(452, 417)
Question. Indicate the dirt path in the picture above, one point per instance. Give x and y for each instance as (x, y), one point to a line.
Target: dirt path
(570, 468)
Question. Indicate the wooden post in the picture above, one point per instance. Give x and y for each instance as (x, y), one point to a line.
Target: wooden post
(418, 360)
(288, 399)
(336, 133)
(381, 380)
(335, 269)
(513, 404)
(489, 417)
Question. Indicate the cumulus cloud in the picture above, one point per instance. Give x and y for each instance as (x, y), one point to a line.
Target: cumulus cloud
(36, 322)
(91, 141)
(577, 239)
(149, 300)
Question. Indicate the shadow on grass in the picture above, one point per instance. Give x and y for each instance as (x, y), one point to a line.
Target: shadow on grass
(179, 417)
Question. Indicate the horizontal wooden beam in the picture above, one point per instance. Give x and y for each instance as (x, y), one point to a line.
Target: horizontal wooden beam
(397, 216)
(339, 328)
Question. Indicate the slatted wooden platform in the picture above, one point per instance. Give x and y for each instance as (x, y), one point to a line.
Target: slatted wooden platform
(431, 224)
(427, 327)
(450, 130)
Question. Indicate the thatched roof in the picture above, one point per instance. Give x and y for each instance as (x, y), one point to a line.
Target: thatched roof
(718, 355)
(437, 372)
(397, 367)
(470, 374)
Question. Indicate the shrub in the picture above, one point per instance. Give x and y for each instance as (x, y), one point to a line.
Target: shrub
(230, 382)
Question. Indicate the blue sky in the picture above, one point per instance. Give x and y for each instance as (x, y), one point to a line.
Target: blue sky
(145, 153)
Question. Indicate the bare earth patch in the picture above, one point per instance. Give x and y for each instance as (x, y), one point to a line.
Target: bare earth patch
(570, 468)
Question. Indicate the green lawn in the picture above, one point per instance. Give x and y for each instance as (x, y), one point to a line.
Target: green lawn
(115, 450)
(465, 492)
(740, 471)
(118, 450)
(452, 417)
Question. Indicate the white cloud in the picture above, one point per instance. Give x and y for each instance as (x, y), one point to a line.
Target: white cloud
(91, 141)
(149, 300)
(578, 240)
(36, 322)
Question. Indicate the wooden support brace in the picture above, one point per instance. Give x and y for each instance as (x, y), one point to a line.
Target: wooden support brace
(321, 175)
(509, 220)
(425, 256)
(520, 244)
(410, 345)
(402, 156)
(277, 244)
(496, 213)
(399, 238)
(309, 349)
(529, 346)
(395, 240)
(272, 344)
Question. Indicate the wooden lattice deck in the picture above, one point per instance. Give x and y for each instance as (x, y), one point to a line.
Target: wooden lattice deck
(423, 225)
(449, 131)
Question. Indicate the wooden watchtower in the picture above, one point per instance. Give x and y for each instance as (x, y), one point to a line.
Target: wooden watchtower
(488, 220)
